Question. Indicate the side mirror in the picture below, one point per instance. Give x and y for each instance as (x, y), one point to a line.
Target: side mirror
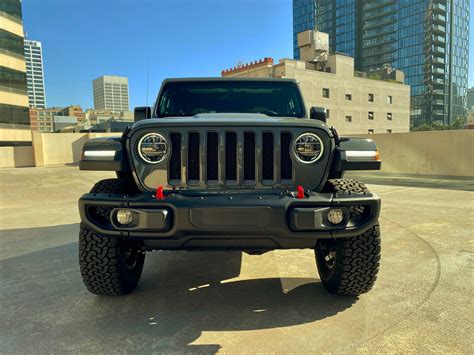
(141, 113)
(318, 113)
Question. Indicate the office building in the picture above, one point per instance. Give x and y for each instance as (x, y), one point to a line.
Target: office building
(35, 74)
(94, 117)
(427, 40)
(470, 99)
(64, 123)
(111, 93)
(74, 110)
(43, 119)
(355, 104)
(470, 108)
(112, 125)
(13, 94)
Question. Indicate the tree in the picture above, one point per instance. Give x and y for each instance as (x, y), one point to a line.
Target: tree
(439, 126)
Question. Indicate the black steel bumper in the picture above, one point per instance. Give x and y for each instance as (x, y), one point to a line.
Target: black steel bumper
(238, 220)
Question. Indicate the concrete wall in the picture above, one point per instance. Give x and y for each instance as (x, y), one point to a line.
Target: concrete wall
(62, 148)
(15, 135)
(446, 153)
(46, 148)
(19, 156)
(16, 157)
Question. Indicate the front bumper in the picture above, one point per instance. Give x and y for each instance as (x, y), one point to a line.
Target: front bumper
(229, 220)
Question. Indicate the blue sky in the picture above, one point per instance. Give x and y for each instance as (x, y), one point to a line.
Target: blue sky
(84, 39)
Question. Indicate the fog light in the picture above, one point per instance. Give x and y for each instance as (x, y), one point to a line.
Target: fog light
(335, 215)
(124, 217)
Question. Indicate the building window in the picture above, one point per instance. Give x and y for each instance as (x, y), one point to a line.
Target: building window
(371, 131)
(348, 118)
(326, 93)
(327, 113)
(389, 131)
(349, 97)
(389, 99)
(389, 116)
(371, 115)
(371, 97)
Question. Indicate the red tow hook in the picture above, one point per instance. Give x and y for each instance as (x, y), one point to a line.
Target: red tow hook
(300, 192)
(159, 193)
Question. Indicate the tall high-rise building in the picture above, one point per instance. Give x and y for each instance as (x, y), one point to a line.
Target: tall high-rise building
(13, 94)
(426, 39)
(35, 74)
(111, 93)
(304, 17)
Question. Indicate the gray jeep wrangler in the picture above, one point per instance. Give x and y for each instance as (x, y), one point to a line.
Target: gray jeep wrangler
(229, 164)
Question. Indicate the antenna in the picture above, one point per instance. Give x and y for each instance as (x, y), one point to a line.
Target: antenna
(147, 76)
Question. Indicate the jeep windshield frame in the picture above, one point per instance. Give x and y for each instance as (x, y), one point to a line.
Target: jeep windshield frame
(188, 98)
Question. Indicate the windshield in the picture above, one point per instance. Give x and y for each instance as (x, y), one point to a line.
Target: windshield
(189, 98)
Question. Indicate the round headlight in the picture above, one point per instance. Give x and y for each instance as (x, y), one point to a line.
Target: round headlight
(153, 148)
(308, 148)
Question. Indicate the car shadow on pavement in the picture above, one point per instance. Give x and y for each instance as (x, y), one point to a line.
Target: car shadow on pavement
(181, 295)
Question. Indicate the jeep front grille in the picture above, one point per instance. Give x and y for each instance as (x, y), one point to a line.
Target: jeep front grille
(193, 158)
(249, 156)
(228, 158)
(212, 156)
(175, 162)
(286, 163)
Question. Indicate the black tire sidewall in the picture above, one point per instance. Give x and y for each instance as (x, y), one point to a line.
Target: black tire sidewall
(129, 277)
(330, 277)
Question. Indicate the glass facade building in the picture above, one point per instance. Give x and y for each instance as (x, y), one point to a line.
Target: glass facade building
(338, 18)
(304, 16)
(14, 98)
(426, 39)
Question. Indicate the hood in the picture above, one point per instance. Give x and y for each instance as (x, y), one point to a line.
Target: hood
(230, 120)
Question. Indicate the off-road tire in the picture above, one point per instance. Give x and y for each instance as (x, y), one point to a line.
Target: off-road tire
(110, 186)
(123, 185)
(354, 269)
(347, 186)
(109, 265)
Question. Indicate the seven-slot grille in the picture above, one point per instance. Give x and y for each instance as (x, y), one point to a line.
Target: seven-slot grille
(218, 158)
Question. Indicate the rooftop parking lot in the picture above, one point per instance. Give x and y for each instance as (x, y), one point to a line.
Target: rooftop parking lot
(233, 302)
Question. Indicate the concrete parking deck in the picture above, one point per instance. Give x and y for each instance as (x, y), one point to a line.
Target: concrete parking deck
(233, 302)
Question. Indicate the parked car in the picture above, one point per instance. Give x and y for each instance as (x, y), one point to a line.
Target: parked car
(229, 164)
